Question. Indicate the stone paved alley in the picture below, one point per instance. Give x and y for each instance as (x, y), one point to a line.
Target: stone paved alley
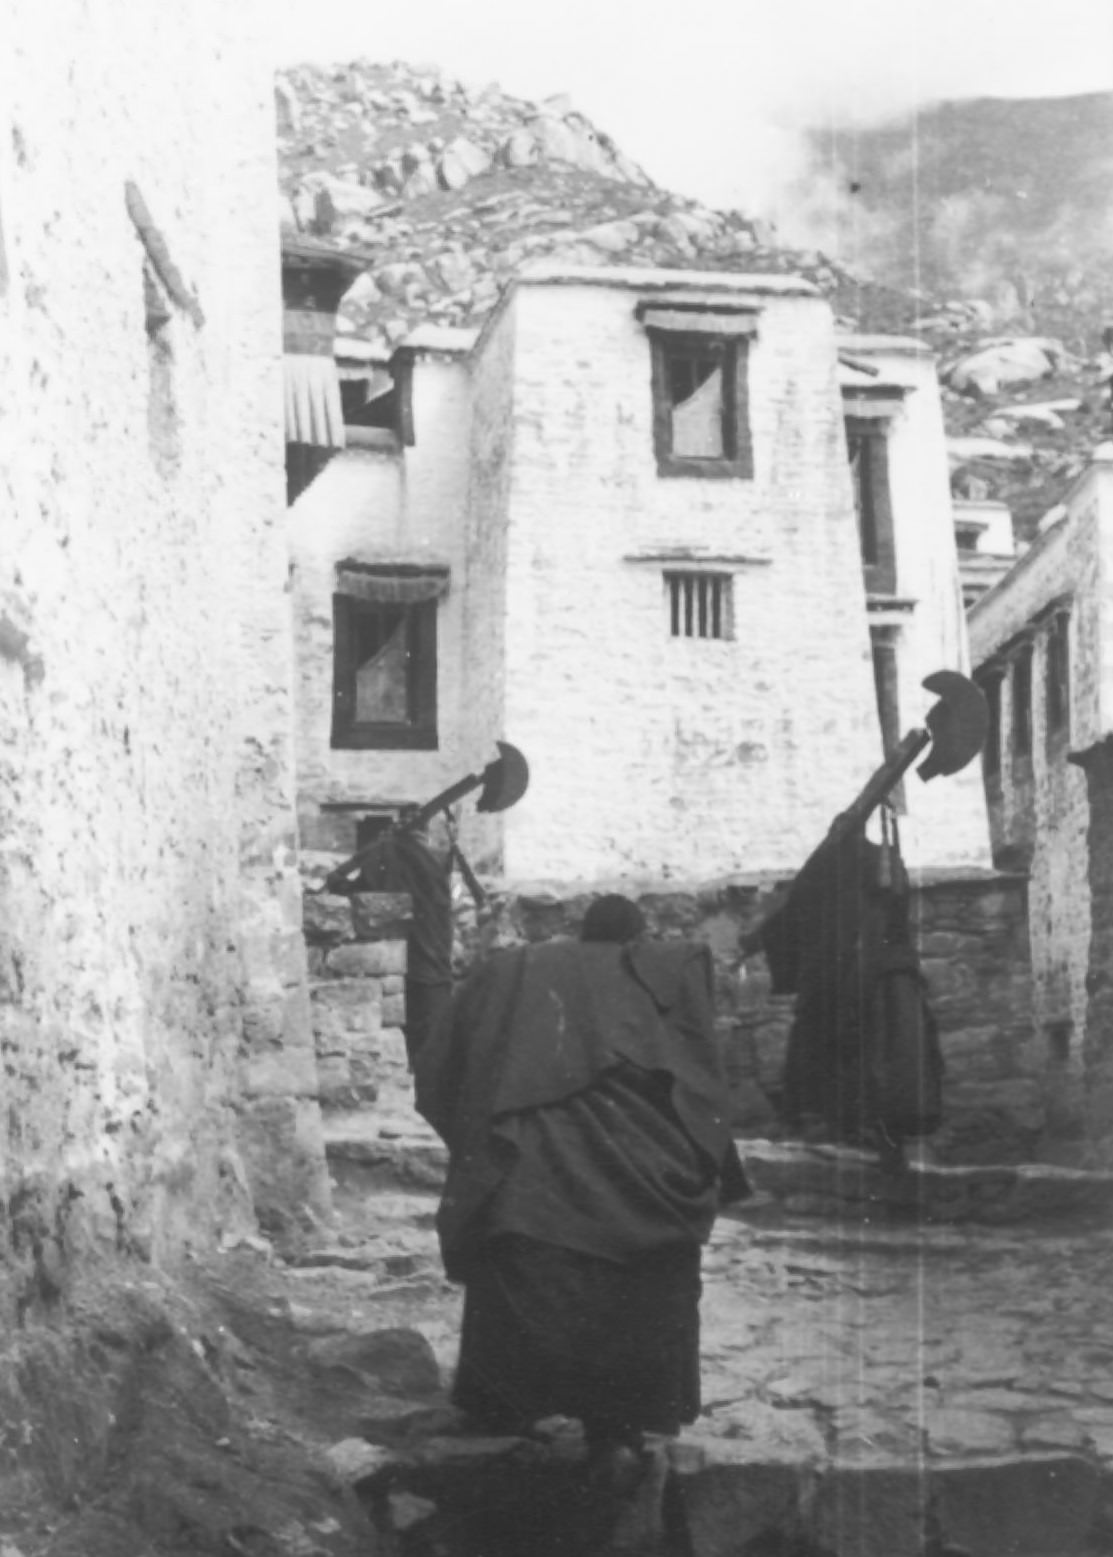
(874, 1386)
(854, 1373)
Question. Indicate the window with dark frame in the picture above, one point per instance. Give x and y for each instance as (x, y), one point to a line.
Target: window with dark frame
(701, 415)
(1022, 702)
(699, 605)
(382, 399)
(990, 683)
(1057, 675)
(867, 447)
(384, 672)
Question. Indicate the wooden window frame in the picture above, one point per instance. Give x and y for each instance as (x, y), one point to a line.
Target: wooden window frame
(990, 680)
(419, 732)
(878, 548)
(738, 462)
(1057, 678)
(1021, 721)
(713, 605)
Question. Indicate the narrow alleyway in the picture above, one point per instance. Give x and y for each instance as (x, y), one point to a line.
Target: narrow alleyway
(871, 1389)
(853, 1375)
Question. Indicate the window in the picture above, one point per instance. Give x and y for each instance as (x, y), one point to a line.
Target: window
(380, 399)
(1057, 675)
(700, 355)
(699, 605)
(1022, 702)
(385, 658)
(990, 683)
(867, 447)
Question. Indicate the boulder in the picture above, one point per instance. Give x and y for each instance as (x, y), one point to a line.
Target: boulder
(520, 150)
(613, 237)
(462, 161)
(1020, 361)
(399, 1361)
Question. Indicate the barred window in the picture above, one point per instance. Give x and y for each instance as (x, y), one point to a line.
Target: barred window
(699, 605)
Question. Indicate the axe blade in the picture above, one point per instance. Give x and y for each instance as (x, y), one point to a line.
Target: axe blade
(505, 780)
(958, 723)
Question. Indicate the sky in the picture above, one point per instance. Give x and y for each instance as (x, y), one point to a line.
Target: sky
(709, 95)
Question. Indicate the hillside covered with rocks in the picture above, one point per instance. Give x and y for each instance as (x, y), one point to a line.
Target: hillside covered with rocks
(445, 191)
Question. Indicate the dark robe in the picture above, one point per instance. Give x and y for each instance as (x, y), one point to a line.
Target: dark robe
(403, 862)
(579, 1090)
(862, 1034)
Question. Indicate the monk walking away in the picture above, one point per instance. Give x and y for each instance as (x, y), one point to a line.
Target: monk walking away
(578, 1088)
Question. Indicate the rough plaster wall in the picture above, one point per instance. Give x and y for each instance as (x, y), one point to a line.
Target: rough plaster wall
(372, 506)
(492, 389)
(946, 824)
(147, 769)
(656, 757)
(1041, 807)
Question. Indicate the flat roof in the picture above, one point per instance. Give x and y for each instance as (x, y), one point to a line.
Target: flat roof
(905, 345)
(630, 278)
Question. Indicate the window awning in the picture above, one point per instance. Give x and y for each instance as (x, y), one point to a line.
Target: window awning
(881, 407)
(314, 414)
(699, 321)
(388, 584)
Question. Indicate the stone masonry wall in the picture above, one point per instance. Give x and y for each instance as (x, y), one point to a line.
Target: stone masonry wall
(158, 1076)
(357, 961)
(972, 934)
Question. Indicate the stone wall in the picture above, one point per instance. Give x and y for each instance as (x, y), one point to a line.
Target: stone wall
(973, 937)
(357, 963)
(1040, 810)
(158, 1070)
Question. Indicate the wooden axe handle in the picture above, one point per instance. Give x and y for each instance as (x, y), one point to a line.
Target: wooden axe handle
(878, 785)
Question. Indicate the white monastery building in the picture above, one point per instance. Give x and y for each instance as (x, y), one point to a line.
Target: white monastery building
(666, 532)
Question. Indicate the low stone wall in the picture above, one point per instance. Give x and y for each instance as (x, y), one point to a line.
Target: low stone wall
(972, 931)
(357, 967)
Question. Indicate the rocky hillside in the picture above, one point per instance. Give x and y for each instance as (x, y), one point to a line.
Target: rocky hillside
(449, 190)
(1004, 207)
(446, 191)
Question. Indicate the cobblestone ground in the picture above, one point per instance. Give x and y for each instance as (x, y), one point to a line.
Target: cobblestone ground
(856, 1341)
(862, 1378)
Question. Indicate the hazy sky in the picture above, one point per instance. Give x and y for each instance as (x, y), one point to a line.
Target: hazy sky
(704, 93)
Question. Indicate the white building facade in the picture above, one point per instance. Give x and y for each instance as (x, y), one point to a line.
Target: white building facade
(621, 530)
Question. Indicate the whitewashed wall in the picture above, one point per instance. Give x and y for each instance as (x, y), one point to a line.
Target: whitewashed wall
(946, 824)
(152, 976)
(661, 758)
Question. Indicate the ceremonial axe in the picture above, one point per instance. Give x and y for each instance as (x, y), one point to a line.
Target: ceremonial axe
(503, 782)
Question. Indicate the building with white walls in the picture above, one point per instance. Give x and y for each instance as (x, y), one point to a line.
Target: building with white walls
(1042, 645)
(621, 530)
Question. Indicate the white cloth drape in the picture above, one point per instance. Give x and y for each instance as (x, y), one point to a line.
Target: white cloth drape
(314, 413)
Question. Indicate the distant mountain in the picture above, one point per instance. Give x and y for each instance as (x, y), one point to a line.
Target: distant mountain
(1009, 200)
(973, 221)
(447, 191)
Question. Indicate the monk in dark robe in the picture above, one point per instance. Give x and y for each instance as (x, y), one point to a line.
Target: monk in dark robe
(579, 1090)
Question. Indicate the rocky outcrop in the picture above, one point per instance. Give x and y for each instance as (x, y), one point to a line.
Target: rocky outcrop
(448, 191)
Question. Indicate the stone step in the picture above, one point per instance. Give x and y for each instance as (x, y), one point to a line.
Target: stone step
(369, 1150)
(841, 1183)
(706, 1497)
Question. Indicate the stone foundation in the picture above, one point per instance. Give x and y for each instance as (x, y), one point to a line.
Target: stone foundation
(357, 965)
